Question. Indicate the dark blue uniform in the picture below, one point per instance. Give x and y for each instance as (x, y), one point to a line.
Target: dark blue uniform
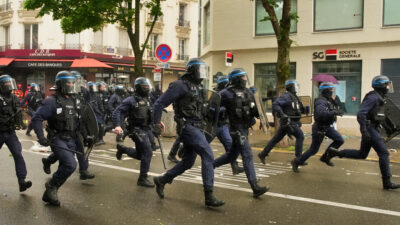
(139, 131)
(375, 141)
(324, 116)
(287, 104)
(33, 100)
(192, 137)
(239, 131)
(63, 139)
(114, 102)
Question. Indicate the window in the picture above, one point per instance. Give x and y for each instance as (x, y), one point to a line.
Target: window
(391, 68)
(338, 14)
(72, 41)
(391, 15)
(31, 36)
(348, 74)
(265, 80)
(265, 27)
(153, 45)
(182, 50)
(4, 38)
(98, 41)
(182, 15)
(124, 43)
(207, 23)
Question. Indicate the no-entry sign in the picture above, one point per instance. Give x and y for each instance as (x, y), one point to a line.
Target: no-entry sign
(163, 53)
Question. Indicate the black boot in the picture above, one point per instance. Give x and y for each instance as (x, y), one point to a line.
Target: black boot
(160, 183)
(120, 151)
(23, 185)
(295, 165)
(328, 155)
(50, 195)
(236, 169)
(388, 184)
(85, 175)
(144, 182)
(172, 158)
(46, 165)
(154, 147)
(28, 132)
(257, 190)
(211, 200)
(261, 156)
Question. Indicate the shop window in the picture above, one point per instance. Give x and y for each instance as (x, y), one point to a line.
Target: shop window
(338, 14)
(391, 15)
(207, 24)
(265, 27)
(31, 36)
(265, 81)
(348, 74)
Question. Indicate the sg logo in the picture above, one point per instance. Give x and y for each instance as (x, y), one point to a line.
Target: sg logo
(318, 55)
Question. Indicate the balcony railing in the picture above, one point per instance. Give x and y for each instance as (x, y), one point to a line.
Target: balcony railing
(182, 57)
(124, 51)
(183, 23)
(5, 7)
(71, 46)
(4, 48)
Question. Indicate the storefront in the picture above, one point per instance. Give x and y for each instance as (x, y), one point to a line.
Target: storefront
(391, 68)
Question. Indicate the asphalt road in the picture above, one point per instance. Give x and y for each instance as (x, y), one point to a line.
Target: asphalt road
(349, 193)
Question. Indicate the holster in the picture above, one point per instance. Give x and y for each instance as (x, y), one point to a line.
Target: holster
(238, 138)
(136, 135)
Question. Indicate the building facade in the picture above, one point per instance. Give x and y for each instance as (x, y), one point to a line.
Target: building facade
(351, 40)
(38, 47)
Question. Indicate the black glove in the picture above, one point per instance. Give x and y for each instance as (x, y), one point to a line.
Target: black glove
(44, 141)
(337, 112)
(157, 129)
(365, 135)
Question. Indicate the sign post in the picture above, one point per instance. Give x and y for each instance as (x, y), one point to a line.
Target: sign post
(163, 54)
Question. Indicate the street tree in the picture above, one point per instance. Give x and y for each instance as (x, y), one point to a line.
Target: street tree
(78, 15)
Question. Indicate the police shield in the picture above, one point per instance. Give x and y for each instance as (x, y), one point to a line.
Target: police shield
(212, 105)
(392, 120)
(261, 112)
(306, 118)
(90, 127)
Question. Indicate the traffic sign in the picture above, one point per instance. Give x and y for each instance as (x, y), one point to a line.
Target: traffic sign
(157, 77)
(163, 53)
(157, 70)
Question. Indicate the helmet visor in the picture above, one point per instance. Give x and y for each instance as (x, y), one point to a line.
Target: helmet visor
(8, 84)
(297, 87)
(202, 71)
(69, 87)
(390, 88)
(93, 88)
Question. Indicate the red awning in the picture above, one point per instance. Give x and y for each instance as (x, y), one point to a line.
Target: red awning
(89, 63)
(5, 61)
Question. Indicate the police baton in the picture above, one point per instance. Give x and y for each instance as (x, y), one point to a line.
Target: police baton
(65, 149)
(161, 150)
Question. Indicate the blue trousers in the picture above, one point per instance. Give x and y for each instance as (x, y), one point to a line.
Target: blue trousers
(175, 146)
(83, 163)
(143, 151)
(196, 144)
(224, 137)
(67, 163)
(13, 144)
(375, 142)
(247, 156)
(318, 134)
(282, 131)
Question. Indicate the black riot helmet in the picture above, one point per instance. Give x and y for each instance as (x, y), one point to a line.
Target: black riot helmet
(382, 84)
(142, 86)
(238, 78)
(102, 86)
(196, 70)
(327, 89)
(7, 84)
(34, 87)
(65, 83)
(93, 87)
(222, 82)
(292, 86)
(130, 90)
(119, 90)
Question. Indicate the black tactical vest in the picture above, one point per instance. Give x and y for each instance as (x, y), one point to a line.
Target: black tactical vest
(35, 100)
(142, 114)
(67, 116)
(331, 106)
(377, 114)
(241, 112)
(8, 109)
(191, 106)
(295, 107)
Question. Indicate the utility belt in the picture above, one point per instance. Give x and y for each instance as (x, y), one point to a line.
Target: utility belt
(181, 123)
(137, 134)
(374, 124)
(64, 135)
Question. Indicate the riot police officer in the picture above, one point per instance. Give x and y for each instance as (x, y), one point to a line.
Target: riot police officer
(33, 99)
(97, 105)
(82, 96)
(241, 111)
(138, 109)
(61, 112)
(371, 118)
(116, 100)
(289, 109)
(188, 96)
(10, 120)
(325, 114)
(156, 93)
(103, 95)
